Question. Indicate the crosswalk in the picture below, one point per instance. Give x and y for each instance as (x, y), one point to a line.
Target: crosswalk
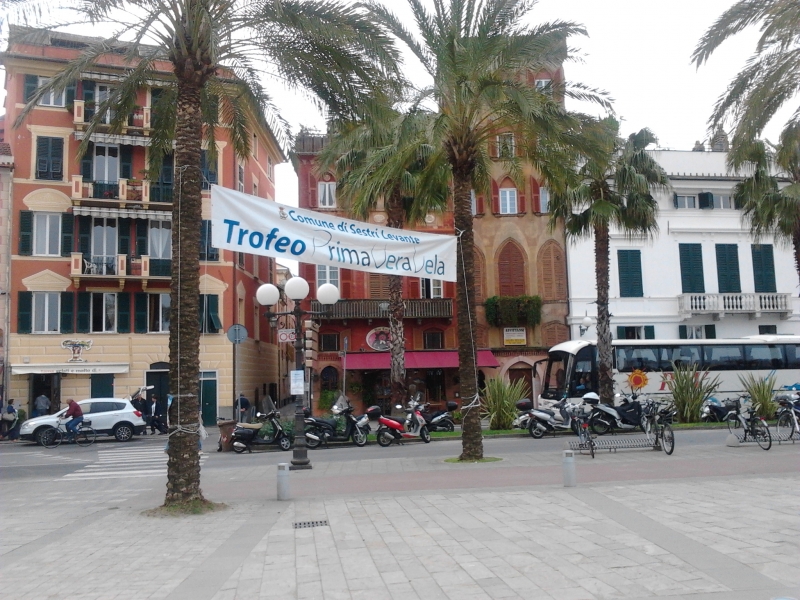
(126, 463)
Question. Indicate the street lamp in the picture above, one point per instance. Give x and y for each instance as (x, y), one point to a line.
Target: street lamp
(585, 324)
(297, 289)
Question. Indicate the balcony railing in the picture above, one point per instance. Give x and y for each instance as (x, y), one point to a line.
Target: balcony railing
(105, 189)
(735, 303)
(161, 192)
(437, 308)
(118, 265)
(160, 267)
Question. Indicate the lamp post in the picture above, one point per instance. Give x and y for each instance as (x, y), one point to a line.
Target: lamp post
(586, 322)
(296, 289)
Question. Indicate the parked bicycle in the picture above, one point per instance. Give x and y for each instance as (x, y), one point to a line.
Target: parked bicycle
(580, 424)
(752, 425)
(656, 422)
(84, 436)
(788, 414)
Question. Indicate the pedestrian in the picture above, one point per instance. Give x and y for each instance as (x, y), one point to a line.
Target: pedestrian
(8, 420)
(159, 415)
(243, 406)
(147, 412)
(41, 406)
(73, 410)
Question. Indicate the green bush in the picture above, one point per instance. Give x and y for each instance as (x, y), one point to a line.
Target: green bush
(514, 311)
(760, 392)
(22, 416)
(690, 388)
(499, 402)
(327, 399)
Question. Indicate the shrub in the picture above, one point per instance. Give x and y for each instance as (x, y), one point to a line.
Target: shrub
(457, 416)
(760, 392)
(327, 399)
(690, 388)
(514, 311)
(499, 400)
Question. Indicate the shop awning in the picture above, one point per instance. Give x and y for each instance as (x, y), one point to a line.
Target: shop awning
(428, 359)
(70, 368)
(122, 213)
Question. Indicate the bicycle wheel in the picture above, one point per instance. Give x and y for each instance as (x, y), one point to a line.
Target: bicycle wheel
(785, 427)
(667, 439)
(85, 436)
(51, 438)
(733, 424)
(762, 435)
(589, 441)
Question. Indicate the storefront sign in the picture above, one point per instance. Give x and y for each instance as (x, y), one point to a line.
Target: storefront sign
(286, 335)
(515, 336)
(249, 224)
(378, 339)
(76, 347)
(74, 369)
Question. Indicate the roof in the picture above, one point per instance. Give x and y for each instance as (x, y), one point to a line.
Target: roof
(687, 164)
(34, 36)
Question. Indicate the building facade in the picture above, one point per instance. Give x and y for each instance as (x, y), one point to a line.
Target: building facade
(90, 253)
(701, 276)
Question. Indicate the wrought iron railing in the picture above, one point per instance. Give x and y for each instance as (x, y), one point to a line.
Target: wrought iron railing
(160, 267)
(105, 189)
(100, 265)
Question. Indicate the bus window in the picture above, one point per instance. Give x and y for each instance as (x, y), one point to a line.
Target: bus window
(680, 355)
(764, 357)
(723, 358)
(583, 381)
(630, 358)
(792, 356)
(555, 376)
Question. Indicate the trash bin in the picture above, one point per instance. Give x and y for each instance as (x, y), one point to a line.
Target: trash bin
(225, 435)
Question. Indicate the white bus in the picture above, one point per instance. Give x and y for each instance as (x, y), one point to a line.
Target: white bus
(571, 368)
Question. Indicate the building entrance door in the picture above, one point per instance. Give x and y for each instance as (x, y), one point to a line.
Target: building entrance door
(522, 371)
(160, 382)
(208, 397)
(102, 385)
(50, 386)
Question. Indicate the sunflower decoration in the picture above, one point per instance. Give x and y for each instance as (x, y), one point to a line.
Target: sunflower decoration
(637, 380)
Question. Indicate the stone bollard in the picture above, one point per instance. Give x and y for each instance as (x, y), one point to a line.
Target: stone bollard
(732, 441)
(568, 466)
(283, 481)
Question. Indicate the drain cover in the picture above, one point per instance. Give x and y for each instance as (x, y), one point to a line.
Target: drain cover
(305, 524)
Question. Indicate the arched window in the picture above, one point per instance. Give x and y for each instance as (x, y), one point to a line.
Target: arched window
(330, 378)
(511, 270)
(552, 270)
(479, 269)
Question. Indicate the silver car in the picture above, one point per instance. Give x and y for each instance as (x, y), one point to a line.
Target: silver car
(109, 416)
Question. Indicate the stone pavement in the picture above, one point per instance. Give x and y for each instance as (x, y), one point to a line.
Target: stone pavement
(713, 523)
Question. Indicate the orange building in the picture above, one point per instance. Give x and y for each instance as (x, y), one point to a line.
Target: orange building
(90, 253)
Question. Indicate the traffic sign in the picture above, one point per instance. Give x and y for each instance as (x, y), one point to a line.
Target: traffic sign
(237, 334)
(285, 335)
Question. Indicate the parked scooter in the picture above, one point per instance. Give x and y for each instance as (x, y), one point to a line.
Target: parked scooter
(392, 429)
(524, 416)
(320, 430)
(627, 416)
(246, 435)
(544, 420)
(441, 420)
(714, 411)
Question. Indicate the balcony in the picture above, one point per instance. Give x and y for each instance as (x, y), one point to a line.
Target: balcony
(119, 266)
(122, 191)
(437, 308)
(139, 119)
(736, 304)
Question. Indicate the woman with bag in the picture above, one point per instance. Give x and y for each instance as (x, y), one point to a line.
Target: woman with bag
(9, 420)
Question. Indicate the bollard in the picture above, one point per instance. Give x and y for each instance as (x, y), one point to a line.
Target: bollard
(568, 465)
(732, 441)
(283, 481)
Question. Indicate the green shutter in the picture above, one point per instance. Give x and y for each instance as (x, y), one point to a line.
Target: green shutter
(67, 233)
(705, 200)
(42, 157)
(691, 259)
(711, 332)
(67, 312)
(84, 312)
(763, 268)
(123, 313)
(124, 239)
(675, 199)
(31, 83)
(728, 269)
(630, 273)
(649, 332)
(140, 313)
(88, 90)
(57, 158)
(25, 233)
(141, 237)
(87, 164)
(125, 162)
(25, 312)
(620, 333)
(85, 236)
(69, 94)
(214, 322)
(207, 251)
(682, 332)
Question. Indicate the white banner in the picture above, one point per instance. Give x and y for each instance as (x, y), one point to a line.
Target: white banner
(254, 225)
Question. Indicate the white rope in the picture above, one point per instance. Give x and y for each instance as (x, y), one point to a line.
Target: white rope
(474, 401)
(179, 428)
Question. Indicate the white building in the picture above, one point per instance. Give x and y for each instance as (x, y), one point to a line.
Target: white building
(701, 276)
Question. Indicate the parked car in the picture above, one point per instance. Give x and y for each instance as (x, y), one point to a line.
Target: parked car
(109, 416)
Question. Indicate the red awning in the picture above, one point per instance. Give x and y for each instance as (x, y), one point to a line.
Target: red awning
(428, 359)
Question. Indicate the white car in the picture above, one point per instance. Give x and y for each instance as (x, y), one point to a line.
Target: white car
(109, 416)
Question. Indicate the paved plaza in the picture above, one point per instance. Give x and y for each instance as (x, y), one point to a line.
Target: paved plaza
(708, 523)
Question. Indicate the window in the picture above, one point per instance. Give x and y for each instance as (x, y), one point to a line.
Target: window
(49, 158)
(685, 201)
(544, 200)
(630, 273)
(46, 234)
(270, 169)
(240, 179)
(51, 98)
(723, 358)
(208, 169)
(209, 314)
(255, 146)
(329, 342)
(46, 311)
(511, 265)
(330, 379)
(207, 251)
(430, 288)
(552, 272)
(630, 358)
(723, 201)
(240, 259)
(764, 357)
(104, 313)
(691, 258)
(728, 269)
(433, 340)
(104, 246)
(505, 145)
(326, 192)
(508, 201)
(630, 333)
(160, 240)
(473, 203)
(326, 274)
(680, 355)
(792, 356)
(544, 86)
(103, 93)
(690, 332)
(255, 189)
(763, 268)
(158, 306)
(378, 286)
(767, 330)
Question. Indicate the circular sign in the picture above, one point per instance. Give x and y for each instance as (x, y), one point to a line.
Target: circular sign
(378, 339)
(237, 334)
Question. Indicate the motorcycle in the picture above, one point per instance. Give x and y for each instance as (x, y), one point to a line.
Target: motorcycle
(627, 416)
(524, 416)
(392, 429)
(714, 411)
(246, 435)
(441, 420)
(320, 430)
(544, 420)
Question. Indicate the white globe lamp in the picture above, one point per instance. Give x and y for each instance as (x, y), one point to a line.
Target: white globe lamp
(328, 294)
(296, 288)
(268, 295)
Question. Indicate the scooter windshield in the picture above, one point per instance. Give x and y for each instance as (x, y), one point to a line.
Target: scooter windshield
(341, 403)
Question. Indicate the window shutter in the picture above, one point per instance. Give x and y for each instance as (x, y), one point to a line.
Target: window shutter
(682, 332)
(85, 236)
(42, 157)
(69, 94)
(495, 198)
(123, 313)
(84, 311)
(705, 200)
(711, 332)
(691, 260)
(88, 90)
(649, 332)
(521, 203)
(536, 205)
(25, 312)
(478, 276)
(620, 333)
(141, 237)
(56, 158)
(67, 233)
(126, 162)
(87, 164)
(480, 205)
(675, 199)
(202, 315)
(25, 233)
(312, 191)
(124, 239)
(140, 313)
(214, 322)
(67, 312)
(31, 83)
(728, 269)
(630, 273)
(511, 267)
(763, 268)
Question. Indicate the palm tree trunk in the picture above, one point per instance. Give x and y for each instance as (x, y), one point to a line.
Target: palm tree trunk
(397, 311)
(601, 266)
(472, 437)
(183, 466)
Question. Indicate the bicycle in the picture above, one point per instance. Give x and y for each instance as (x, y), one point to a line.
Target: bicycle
(732, 419)
(84, 436)
(656, 421)
(580, 425)
(753, 425)
(788, 423)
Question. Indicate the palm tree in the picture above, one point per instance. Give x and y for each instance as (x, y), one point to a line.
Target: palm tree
(386, 155)
(769, 78)
(217, 49)
(476, 55)
(615, 189)
(768, 208)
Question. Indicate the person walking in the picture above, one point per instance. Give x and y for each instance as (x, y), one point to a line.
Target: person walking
(8, 420)
(41, 406)
(159, 415)
(147, 412)
(75, 411)
(242, 406)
